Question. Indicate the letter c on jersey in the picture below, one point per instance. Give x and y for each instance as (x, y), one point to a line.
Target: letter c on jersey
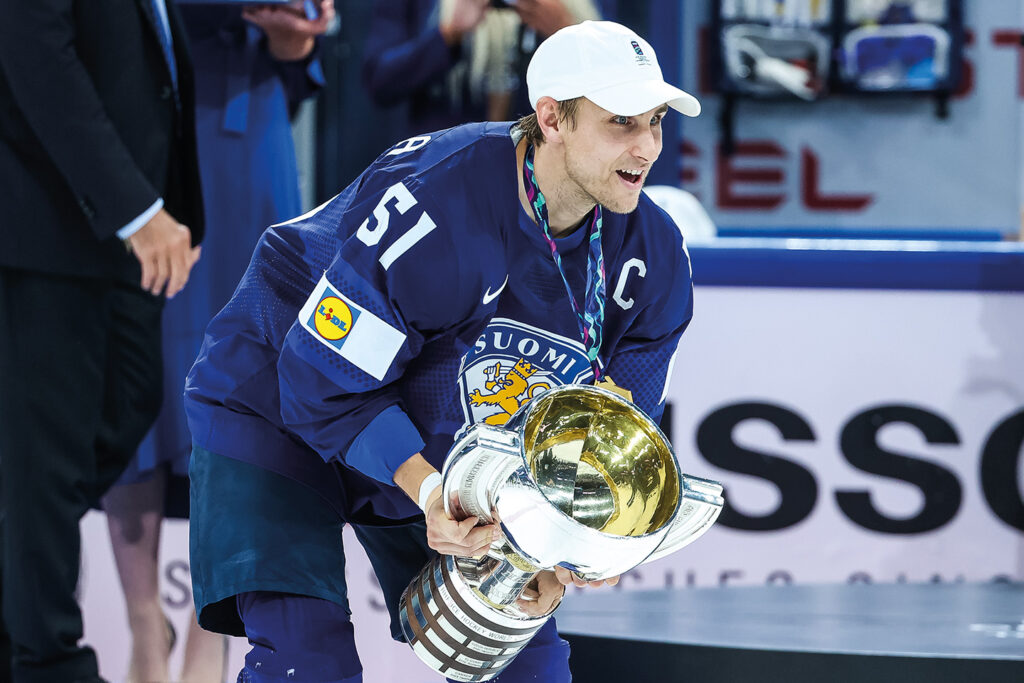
(641, 271)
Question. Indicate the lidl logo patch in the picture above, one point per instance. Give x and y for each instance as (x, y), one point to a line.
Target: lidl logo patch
(333, 318)
(349, 330)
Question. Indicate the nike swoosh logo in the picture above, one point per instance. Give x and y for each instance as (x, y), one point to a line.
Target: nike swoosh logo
(489, 296)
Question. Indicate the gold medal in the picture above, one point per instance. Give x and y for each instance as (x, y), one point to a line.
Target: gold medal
(607, 383)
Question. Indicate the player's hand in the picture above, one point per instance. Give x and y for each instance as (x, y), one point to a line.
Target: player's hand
(541, 595)
(290, 34)
(565, 577)
(466, 15)
(164, 249)
(544, 16)
(449, 537)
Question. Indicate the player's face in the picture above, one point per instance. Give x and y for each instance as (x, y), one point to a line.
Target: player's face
(608, 157)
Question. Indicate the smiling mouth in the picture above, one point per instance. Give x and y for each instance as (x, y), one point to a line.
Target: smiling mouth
(633, 177)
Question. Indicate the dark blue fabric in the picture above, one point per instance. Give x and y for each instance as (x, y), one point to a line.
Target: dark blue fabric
(253, 530)
(393, 426)
(546, 658)
(974, 266)
(398, 553)
(296, 638)
(267, 562)
(405, 59)
(250, 181)
(267, 386)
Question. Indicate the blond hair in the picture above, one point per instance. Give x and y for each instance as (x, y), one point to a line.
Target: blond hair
(529, 127)
(490, 66)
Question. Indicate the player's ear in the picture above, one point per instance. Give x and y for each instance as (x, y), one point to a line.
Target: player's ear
(548, 120)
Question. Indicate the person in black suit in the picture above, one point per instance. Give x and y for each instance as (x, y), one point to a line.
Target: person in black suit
(97, 152)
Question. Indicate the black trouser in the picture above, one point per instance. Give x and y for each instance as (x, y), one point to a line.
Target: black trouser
(80, 378)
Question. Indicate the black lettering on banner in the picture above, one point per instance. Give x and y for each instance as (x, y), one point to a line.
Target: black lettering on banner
(797, 487)
(726, 574)
(176, 577)
(941, 488)
(859, 577)
(779, 576)
(633, 575)
(999, 462)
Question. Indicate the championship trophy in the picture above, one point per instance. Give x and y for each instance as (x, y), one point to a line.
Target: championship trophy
(578, 477)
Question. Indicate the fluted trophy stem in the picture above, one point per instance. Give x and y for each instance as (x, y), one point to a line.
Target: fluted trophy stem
(503, 582)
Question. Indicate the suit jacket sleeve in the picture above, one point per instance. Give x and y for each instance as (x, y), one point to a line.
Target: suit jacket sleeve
(54, 92)
(399, 59)
(301, 79)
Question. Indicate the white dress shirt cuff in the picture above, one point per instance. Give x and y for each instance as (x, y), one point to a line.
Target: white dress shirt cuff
(144, 217)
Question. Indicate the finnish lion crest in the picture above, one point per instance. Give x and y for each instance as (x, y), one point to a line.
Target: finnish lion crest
(508, 391)
(511, 363)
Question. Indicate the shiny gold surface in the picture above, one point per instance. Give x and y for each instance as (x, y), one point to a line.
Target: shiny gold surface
(600, 461)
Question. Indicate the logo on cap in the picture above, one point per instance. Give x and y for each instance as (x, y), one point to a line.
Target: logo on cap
(641, 58)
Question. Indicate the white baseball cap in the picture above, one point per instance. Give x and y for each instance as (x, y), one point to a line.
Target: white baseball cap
(608, 64)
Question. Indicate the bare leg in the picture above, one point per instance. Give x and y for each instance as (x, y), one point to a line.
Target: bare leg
(134, 515)
(205, 655)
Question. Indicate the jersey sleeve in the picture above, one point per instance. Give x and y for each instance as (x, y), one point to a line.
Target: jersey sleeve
(643, 359)
(398, 280)
(50, 86)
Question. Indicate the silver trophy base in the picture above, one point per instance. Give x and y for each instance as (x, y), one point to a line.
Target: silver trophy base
(455, 631)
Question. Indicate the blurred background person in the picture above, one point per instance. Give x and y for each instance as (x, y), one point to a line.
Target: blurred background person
(97, 152)
(455, 61)
(254, 66)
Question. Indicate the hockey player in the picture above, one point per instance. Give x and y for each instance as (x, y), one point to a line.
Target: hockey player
(463, 271)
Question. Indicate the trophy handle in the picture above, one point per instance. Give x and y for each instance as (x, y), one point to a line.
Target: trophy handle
(701, 504)
(475, 468)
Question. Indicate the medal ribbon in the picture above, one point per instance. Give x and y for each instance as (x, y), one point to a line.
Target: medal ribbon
(591, 319)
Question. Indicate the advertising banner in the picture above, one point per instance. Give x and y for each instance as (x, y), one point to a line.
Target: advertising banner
(862, 436)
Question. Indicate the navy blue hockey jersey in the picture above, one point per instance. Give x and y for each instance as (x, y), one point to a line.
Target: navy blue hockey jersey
(419, 300)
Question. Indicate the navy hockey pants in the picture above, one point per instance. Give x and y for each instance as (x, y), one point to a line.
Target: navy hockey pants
(268, 563)
(299, 639)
